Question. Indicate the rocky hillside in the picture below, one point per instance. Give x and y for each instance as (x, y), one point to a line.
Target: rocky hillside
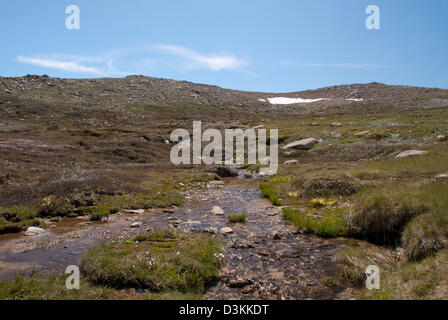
(163, 92)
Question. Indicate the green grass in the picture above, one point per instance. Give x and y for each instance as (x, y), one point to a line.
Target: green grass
(332, 222)
(429, 164)
(158, 261)
(237, 218)
(268, 191)
(18, 218)
(269, 188)
(53, 287)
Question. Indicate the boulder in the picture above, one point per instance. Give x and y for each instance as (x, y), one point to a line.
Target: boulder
(32, 231)
(291, 162)
(305, 144)
(411, 153)
(217, 211)
(336, 124)
(442, 176)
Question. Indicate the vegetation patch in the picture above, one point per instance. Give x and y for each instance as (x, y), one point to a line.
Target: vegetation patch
(321, 202)
(326, 186)
(427, 233)
(425, 165)
(160, 260)
(424, 279)
(53, 287)
(237, 218)
(380, 214)
(18, 218)
(354, 260)
(332, 222)
(269, 188)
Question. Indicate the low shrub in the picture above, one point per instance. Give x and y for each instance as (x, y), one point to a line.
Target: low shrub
(326, 186)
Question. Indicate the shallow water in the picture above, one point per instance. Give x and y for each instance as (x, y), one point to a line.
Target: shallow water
(266, 258)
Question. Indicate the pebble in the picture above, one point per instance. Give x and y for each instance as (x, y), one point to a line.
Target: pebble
(226, 230)
(217, 211)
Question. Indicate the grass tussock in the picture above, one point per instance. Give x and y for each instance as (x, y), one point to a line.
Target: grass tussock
(269, 189)
(380, 214)
(413, 215)
(331, 222)
(237, 218)
(160, 260)
(426, 234)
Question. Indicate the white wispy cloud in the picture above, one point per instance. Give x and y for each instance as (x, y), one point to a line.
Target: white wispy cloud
(139, 60)
(70, 66)
(196, 60)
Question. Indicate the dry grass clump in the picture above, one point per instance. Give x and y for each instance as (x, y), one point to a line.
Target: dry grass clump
(354, 260)
(424, 279)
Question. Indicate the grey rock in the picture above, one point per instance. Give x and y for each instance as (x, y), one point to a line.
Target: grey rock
(32, 231)
(305, 144)
(136, 225)
(411, 153)
(226, 230)
(360, 134)
(217, 211)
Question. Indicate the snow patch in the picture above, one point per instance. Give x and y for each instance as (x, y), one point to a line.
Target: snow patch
(354, 99)
(283, 100)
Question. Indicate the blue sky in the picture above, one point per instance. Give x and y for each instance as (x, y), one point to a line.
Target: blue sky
(256, 45)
